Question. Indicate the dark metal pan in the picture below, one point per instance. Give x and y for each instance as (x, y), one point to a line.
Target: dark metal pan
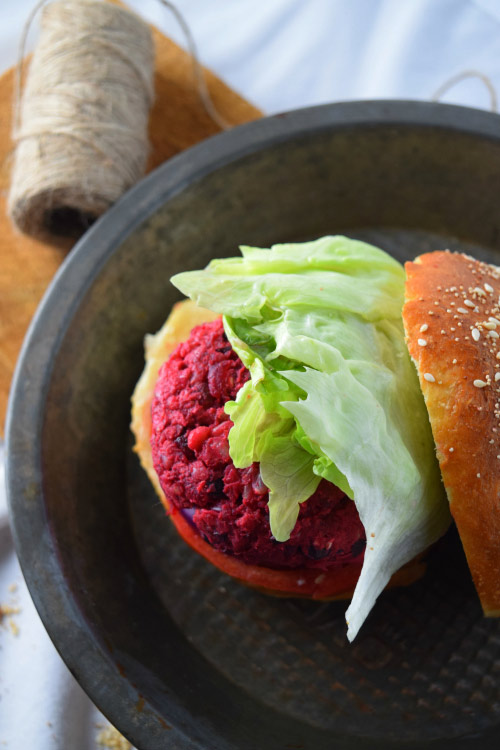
(174, 653)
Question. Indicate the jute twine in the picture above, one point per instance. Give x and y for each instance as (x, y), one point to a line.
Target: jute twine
(81, 130)
(462, 76)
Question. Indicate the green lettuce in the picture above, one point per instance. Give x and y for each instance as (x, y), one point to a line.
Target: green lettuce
(332, 393)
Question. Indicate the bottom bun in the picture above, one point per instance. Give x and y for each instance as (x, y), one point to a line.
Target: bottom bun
(310, 583)
(337, 583)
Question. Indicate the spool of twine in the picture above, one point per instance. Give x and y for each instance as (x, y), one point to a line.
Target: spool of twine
(80, 132)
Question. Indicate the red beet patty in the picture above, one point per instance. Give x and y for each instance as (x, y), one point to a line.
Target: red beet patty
(228, 506)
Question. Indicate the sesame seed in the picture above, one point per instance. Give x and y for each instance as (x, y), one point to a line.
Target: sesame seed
(423, 328)
(469, 303)
(478, 475)
(422, 342)
(493, 335)
(480, 383)
(488, 288)
(462, 310)
(475, 334)
(430, 378)
(497, 377)
(478, 290)
(490, 325)
(451, 450)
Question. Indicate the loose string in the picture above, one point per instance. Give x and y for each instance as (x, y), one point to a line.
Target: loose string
(18, 77)
(198, 74)
(459, 77)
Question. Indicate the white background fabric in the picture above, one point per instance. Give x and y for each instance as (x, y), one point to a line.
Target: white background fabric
(280, 54)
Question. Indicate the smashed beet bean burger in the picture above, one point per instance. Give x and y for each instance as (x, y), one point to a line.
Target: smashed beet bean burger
(285, 429)
(181, 431)
(228, 506)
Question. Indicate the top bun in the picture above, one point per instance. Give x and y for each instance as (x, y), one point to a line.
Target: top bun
(452, 323)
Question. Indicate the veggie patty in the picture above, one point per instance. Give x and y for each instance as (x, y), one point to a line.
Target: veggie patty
(228, 506)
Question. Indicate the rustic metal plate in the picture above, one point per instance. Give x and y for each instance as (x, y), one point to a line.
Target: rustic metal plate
(175, 653)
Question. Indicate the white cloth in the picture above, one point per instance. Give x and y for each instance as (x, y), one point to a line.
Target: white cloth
(280, 54)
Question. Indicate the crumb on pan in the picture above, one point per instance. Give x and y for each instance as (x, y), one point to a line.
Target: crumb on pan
(111, 738)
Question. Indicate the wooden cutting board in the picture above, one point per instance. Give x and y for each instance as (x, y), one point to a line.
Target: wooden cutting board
(178, 120)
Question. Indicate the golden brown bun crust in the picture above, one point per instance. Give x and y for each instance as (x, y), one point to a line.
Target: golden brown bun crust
(308, 583)
(452, 323)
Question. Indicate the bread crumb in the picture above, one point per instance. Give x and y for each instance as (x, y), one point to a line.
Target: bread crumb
(7, 609)
(6, 612)
(14, 627)
(111, 738)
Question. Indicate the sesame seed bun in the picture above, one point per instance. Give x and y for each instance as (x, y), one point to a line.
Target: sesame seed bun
(304, 582)
(452, 324)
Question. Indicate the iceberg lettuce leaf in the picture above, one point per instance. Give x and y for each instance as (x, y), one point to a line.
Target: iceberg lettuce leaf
(332, 393)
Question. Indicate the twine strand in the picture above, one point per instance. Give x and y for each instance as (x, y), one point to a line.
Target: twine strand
(462, 76)
(16, 110)
(198, 74)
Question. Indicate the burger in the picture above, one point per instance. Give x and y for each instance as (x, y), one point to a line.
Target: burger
(293, 441)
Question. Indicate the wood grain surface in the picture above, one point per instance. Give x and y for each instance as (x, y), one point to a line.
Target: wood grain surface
(177, 120)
